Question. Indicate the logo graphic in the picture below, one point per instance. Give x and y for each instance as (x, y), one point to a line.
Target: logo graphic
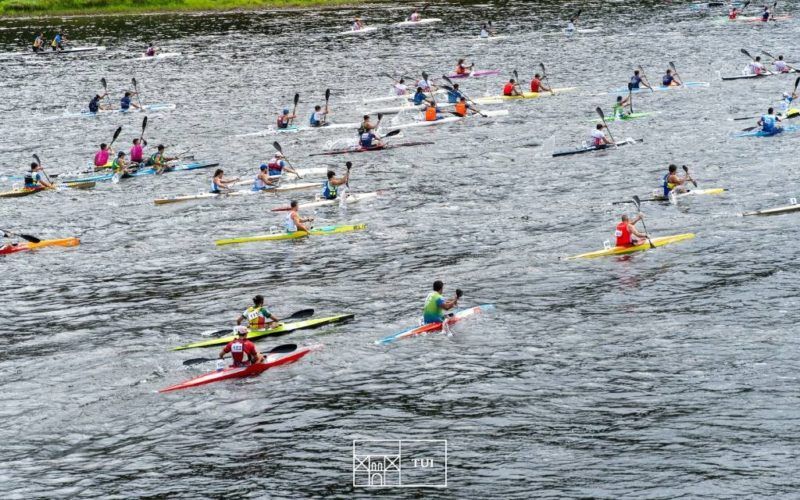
(401, 463)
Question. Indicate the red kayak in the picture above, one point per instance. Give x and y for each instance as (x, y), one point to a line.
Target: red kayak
(359, 149)
(244, 371)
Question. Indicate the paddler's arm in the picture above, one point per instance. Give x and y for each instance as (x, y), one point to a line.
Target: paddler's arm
(451, 303)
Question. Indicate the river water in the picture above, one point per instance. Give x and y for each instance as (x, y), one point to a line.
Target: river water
(672, 373)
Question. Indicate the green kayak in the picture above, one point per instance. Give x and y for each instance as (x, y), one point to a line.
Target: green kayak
(281, 329)
(629, 116)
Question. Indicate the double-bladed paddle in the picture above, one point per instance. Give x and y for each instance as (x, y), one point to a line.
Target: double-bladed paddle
(281, 349)
(27, 237)
(638, 203)
(136, 89)
(301, 314)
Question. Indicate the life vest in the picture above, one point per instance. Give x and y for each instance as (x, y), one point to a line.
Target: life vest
(461, 109)
(768, 123)
(508, 89)
(732, 14)
(329, 191)
(623, 235)
(31, 182)
(275, 165)
(668, 186)
(430, 114)
(536, 84)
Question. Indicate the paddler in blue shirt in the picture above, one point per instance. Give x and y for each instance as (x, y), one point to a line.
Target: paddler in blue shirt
(330, 188)
(673, 183)
(58, 42)
(637, 80)
(769, 123)
(370, 140)
(436, 305)
(420, 97)
(455, 95)
(264, 180)
(37, 178)
(219, 184)
(125, 102)
(669, 80)
(765, 14)
(94, 104)
(318, 117)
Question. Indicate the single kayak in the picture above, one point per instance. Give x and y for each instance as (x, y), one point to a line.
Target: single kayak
(25, 246)
(231, 372)
(661, 88)
(16, 193)
(476, 74)
(145, 107)
(589, 149)
(674, 197)
(159, 57)
(657, 242)
(761, 133)
(145, 171)
(232, 194)
(436, 327)
(359, 149)
(351, 198)
(421, 22)
(279, 236)
(281, 329)
(496, 99)
(362, 31)
(786, 209)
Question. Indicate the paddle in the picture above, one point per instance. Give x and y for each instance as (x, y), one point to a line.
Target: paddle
(638, 203)
(294, 109)
(674, 70)
(327, 98)
(281, 349)
(116, 135)
(646, 81)
(280, 150)
(544, 76)
(28, 237)
(39, 162)
(349, 165)
(603, 117)
(630, 97)
(430, 88)
(451, 89)
(392, 133)
(105, 89)
(301, 314)
(686, 169)
(516, 77)
(745, 52)
(136, 89)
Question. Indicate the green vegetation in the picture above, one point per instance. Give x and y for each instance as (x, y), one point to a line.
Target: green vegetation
(40, 7)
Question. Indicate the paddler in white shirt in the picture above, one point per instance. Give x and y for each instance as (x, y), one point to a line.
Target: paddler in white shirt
(598, 138)
(358, 25)
(415, 17)
(781, 66)
(293, 222)
(400, 87)
(756, 67)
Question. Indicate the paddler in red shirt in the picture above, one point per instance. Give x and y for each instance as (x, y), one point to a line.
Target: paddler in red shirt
(537, 85)
(626, 232)
(512, 88)
(241, 347)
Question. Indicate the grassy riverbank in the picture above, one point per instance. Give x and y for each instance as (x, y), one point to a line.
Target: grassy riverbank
(60, 7)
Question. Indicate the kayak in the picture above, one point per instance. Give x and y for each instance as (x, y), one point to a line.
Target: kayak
(74, 50)
(281, 329)
(657, 242)
(629, 116)
(304, 128)
(359, 149)
(408, 107)
(429, 20)
(146, 107)
(757, 19)
(366, 29)
(657, 196)
(436, 327)
(761, 133)
(16, 193)
(792, 207)
(231, 372)
(477, 73)
(145, 171)
(279, 236)
(750, 76)
(351, 198)
(158, 57)
(661, 88)
(450, 118)
(206, 196)
(526, 95)
(394, 97)
(589, 149)
(64, 242)
(288, 176)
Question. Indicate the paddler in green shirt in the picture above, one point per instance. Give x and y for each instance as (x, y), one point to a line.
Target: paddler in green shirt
(258, 316)
(436, 305)
(619, 108)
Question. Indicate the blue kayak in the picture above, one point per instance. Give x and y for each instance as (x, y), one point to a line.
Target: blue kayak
(761, 133)
(143, 171)
(661, 88)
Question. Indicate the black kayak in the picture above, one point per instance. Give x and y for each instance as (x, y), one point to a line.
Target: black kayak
(359, 149)
(589, 149)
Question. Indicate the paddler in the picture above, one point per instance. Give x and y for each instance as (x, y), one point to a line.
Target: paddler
(94, 104)
(756, 67)
(436, 305)
(102, 156)
(781, 66)
(219, 184)
(670, 80)
(673, 183)
(158, 160)
(765, 14)
(637, 80)
(37, 179)
(370, 140)
(426, 85)
(415, 17)
(431, 112)
(367, 125)
(257, 315)
(285, 119)
(598, 138)
(400, 87)
(330, 188)
(38, 43)
(125, 102)
(732, 13)
(570, 29)
(462, 69)
(119, 165)
(277, 165)
(137, 151)
(484, 32)
(512, 88)
(151, 50)
(454, 95)
(769, 123)
(462, 108)
(420, 97)
(358, 25)
(319, 116)
(58, 42)
(787, 101)
(293, 222)
(618, 112)
(537, 85)
(263, 180)
(626, 233)
(241, 347)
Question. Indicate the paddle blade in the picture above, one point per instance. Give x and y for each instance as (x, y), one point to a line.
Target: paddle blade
(133, 81)
(116, 133)
(600, 113)
(744, 51)
(277, 147)
(767, 54)
(36, 157)
(197, 361)
(425, 76)
(327, 94)
(544, 71)
(380, 116)
(144, 124)
(103, 83)
(796, 82)
(296, 99)
(637, 202)
(303, 313)
(281, 349)
(516, 75)
(393, 133)
(447, 79)
(672, 66)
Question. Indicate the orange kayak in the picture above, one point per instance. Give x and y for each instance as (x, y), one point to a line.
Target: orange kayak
(21, 247)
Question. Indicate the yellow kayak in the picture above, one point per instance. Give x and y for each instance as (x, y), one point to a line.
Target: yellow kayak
(496, 99)
(294, 235)
(657, 242)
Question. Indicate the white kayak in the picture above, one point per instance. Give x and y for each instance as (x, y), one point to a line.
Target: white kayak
(793, 206)
(159, 57)
(304, 128)
(367, 29)
(288, 176)
(351, 198)
(451, 119)
(146, 107)
(421, 22)
(205, 196)
(407, 107)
